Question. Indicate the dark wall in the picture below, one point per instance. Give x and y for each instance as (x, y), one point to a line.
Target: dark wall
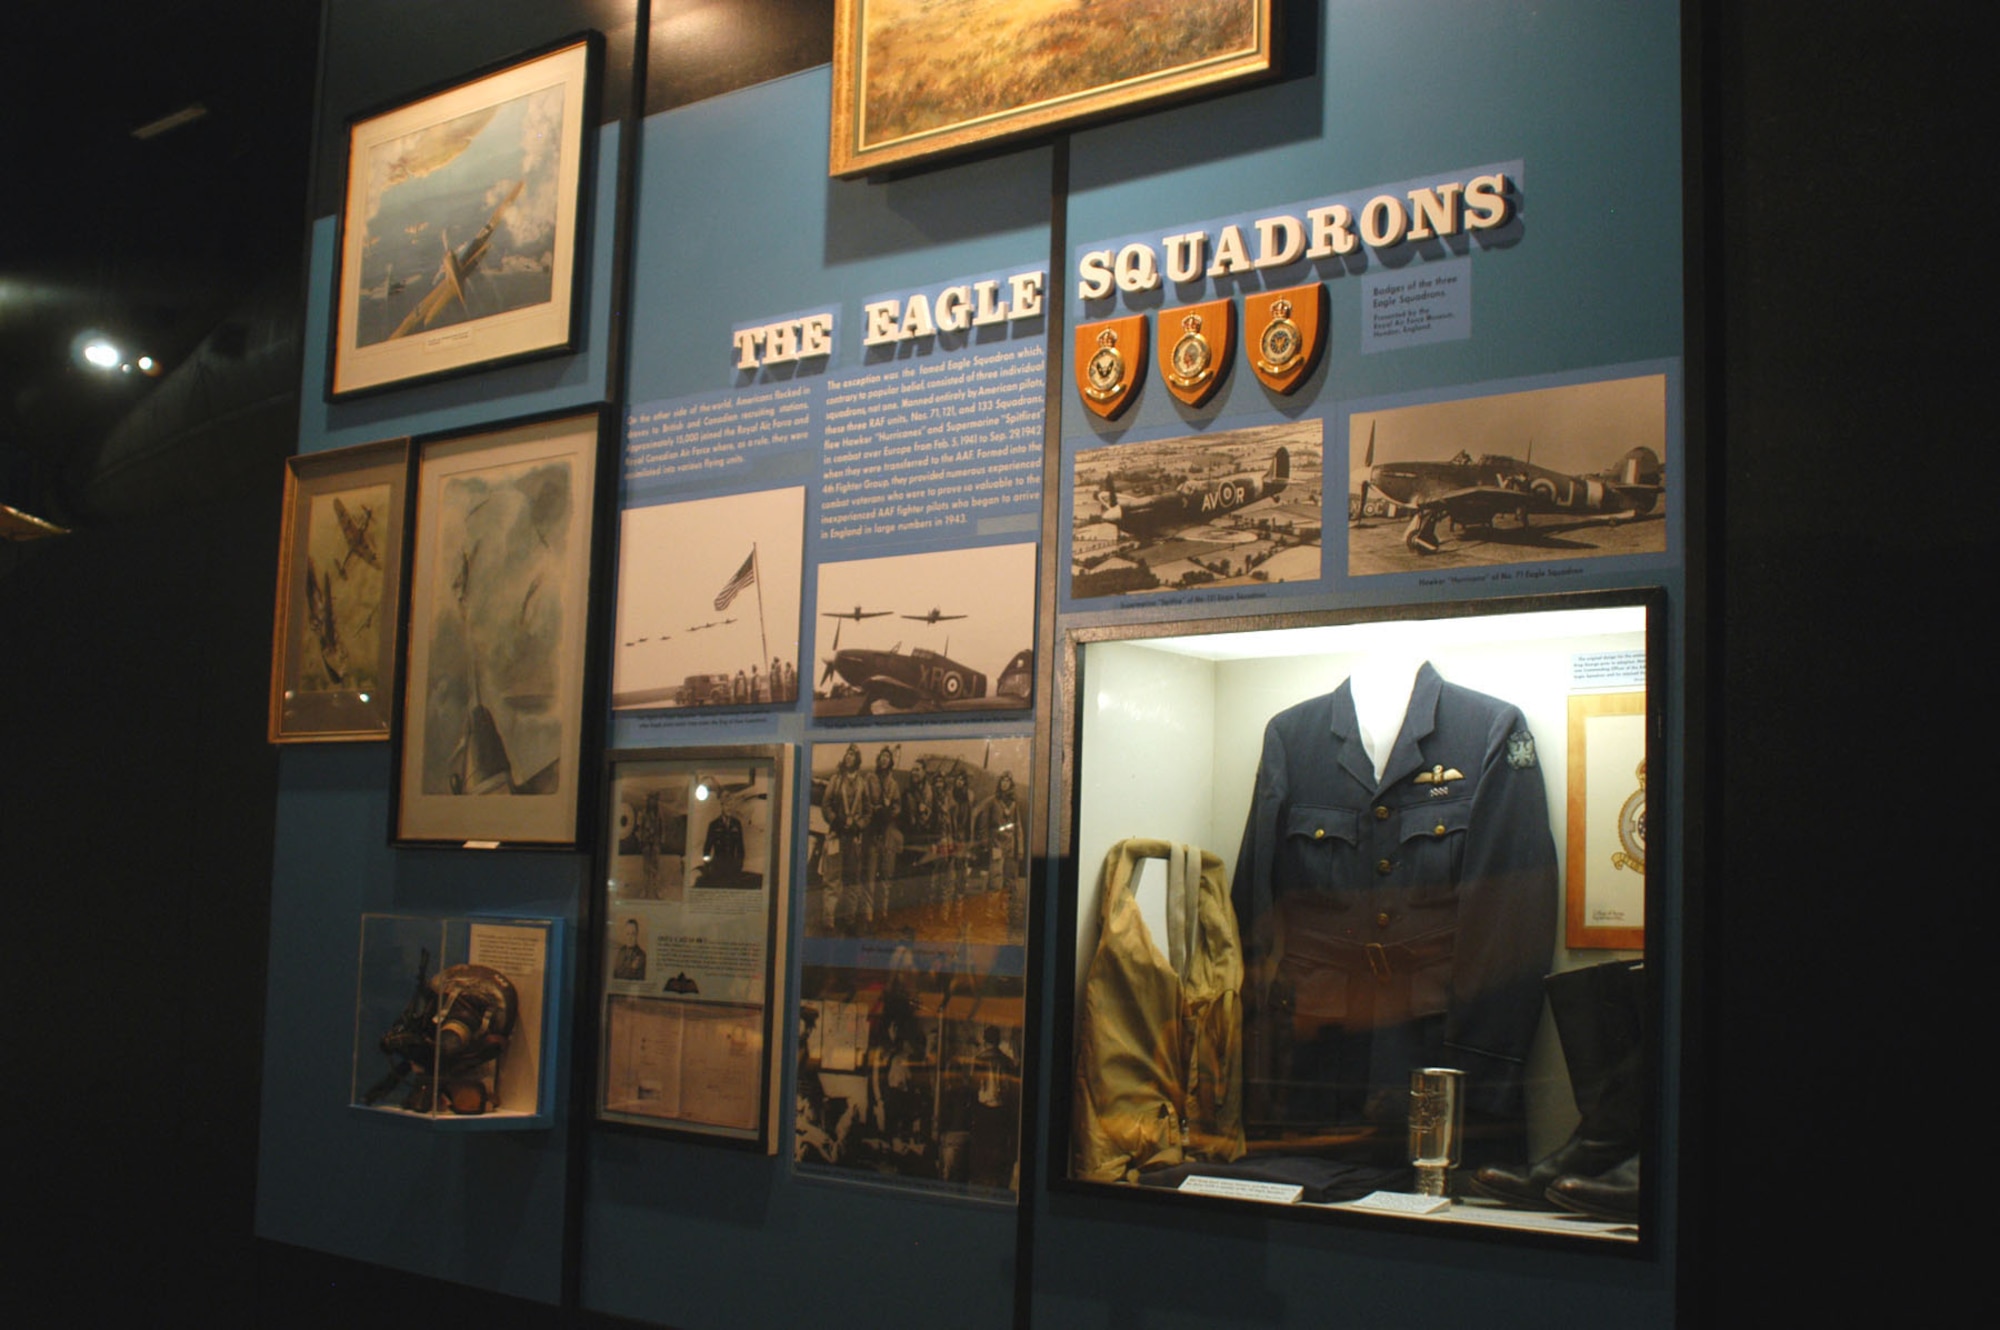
(1856, 561)
(136, 807)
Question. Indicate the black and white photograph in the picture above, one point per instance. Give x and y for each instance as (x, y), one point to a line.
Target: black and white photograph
(686, 828)
(708, 602)
(1551, 473)
(650, 836)
(910, 1075)
(945, 631)
(460, 236)
(1230, 509)
(926, 842)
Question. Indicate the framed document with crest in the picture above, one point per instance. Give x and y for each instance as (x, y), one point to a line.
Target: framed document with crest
(1605, 887)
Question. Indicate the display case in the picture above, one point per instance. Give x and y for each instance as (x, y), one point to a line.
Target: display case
(455, 1019)
(696, 848)
(1320, 948)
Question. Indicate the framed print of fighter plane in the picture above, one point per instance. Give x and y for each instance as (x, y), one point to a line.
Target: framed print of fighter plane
(913, 80)
(462, 227)
(494, 691)
(340, 582)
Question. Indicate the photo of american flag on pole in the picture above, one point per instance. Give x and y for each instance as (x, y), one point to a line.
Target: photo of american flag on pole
(745, 576)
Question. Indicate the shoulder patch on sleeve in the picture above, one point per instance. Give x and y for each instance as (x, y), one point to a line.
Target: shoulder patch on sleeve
(1520, 750)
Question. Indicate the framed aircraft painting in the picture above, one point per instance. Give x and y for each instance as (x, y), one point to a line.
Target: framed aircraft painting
(462, 227)
(914, 80)
(340, 583)
(491, 701)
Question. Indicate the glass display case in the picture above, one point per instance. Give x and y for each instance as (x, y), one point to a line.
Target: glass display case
(454, 1019)
(1360, 922)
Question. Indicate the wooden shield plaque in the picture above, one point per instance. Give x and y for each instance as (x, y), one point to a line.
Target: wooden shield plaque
(1285, 331)
(1110, 363)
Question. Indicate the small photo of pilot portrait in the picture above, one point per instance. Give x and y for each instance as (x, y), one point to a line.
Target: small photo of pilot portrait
(629, 962)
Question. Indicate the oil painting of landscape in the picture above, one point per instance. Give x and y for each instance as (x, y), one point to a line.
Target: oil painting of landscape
(920, 78)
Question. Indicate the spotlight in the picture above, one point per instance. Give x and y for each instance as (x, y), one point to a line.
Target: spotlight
(101, 354)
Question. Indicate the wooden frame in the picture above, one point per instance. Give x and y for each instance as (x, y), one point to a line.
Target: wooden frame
(697, 856)
(973, 81)
(492, 705)
(1606, 841)
(334, 643)
(501, 159)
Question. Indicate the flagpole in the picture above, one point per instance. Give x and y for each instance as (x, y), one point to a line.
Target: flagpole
(757, 576)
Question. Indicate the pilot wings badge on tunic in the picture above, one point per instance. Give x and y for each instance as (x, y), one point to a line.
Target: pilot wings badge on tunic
(1196, 342)
(1285, 332)
(1437, 775)
(1110, 362)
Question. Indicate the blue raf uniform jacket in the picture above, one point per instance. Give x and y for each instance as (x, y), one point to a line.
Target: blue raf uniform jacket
(1398, 923)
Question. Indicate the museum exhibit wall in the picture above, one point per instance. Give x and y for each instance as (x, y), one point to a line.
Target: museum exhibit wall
(711, 213)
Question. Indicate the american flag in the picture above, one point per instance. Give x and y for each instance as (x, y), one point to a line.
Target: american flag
(734, 587)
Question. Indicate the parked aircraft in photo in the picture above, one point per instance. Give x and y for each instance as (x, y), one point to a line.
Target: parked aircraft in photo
(920, 679)
(1476, 491)
(1193, 503)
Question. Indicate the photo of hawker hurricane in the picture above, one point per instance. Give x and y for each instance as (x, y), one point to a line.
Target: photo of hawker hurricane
(1474, 492)
(919, 680)
(1193, 503)
(452, 274)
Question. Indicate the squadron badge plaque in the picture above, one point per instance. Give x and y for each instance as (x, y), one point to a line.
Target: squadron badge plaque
(1110, 360)
(1285, 330)
(1196, 342)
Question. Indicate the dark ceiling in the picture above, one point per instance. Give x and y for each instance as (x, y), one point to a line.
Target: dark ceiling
(149, 241)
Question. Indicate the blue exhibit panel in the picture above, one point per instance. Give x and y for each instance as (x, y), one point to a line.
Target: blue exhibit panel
(1578, 105)
(751, 370)
(480, 1207)
(476, 1207)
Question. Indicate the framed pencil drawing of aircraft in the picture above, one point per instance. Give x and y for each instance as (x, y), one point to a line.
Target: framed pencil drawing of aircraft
(495, 686)
(462, 226)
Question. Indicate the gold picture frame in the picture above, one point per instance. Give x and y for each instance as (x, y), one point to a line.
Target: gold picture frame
(914, 81)
(334, 642)
(1604, 896)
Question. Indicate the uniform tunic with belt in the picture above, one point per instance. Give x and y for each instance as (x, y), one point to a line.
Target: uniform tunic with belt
(1394, 923)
